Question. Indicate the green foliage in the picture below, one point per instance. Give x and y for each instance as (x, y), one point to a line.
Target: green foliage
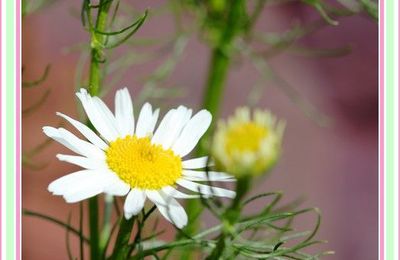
(229, 30)
(27, 156)
(31, 6)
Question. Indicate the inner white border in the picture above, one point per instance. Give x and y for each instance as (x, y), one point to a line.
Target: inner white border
(3, 137)
(396, 129)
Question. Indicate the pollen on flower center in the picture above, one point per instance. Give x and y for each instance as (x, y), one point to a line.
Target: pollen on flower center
(245, 137)
(142, 164)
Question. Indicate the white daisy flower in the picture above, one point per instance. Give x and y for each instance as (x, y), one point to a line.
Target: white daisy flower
(136, 160)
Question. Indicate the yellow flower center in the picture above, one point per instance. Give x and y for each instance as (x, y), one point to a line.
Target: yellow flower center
(142, 164)
(244, 137)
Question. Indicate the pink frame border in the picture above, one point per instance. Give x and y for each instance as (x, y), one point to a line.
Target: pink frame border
(18, 130)
(381, 246)
(1, 140)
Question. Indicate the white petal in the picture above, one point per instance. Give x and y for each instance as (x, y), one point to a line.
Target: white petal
(205, 189)
(134, 203)
(196, 163)
(169, 208)
(145, 121)
(178, 122)
(117, 188)
(172, 192)
(154, 120)
(86, 131)
(106, 114)
(83, 162)
(187, 116)
(88, 192)
(206, 176)
(124, 112)
(85, 184)
(192, 133)
(55, 135)
(59, 186)
(95, 116)
(155, 197)
(163, 128)
(88, 188)
(74, 143)
(171, 127)
(85, 148)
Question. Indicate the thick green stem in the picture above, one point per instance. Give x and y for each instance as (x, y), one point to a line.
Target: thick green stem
(214, 89)
(221, 56)
(95, 79)
(94, 75)
(217, 76)
(215, 84)
(97, 45)
(121, 249)
(94, 228)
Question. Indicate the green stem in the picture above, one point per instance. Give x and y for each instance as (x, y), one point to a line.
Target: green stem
(105, 233)
(230, 218)
(95, 79)
(221, 57)
(121, 249)
(217, 76)
(214, 89)
(97, 46)
(94, 75)
(94, 228)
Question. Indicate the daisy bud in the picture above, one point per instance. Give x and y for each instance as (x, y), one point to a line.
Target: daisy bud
(248, 145)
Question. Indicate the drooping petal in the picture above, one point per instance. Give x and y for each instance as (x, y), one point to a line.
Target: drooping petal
(88, 188)
(172, 192)
(192, 132)
(87, 149)
(82, 161)
(207, 176)
(59, 186)
(169, 208)
(205, 189)
(196, 163)
(86, 132)
(74, 143)
(124, 112)
(134, 203)
(117, 188)
(55, 135)
(85, 193)
(109, 132)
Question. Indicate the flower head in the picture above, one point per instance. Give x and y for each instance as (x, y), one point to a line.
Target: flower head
(246, 145)
(136, 160)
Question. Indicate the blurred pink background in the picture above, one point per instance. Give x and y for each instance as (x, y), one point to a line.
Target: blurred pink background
(334, 167)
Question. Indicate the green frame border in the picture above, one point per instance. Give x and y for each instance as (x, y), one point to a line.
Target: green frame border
(10, 88)
(389, 133)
